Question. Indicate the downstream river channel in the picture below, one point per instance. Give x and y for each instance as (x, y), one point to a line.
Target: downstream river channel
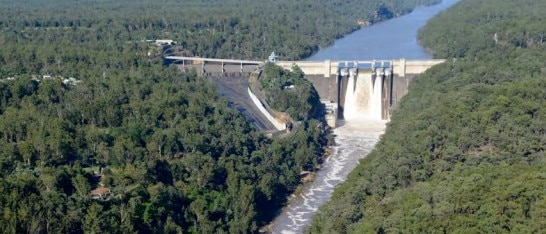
(393, 39)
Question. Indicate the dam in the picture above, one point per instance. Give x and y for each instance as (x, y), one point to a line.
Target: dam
(393, 39)
(350, 90)
(362, 89)
(396, 38)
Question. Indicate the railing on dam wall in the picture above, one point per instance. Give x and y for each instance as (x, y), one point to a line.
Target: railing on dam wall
(401, 67)
(328, 68)
(214, 60)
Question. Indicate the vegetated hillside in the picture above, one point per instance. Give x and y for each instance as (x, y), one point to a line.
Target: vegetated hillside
(129, 145)
(289, 91)
(216, 28)
(465, 151)
(98, 136)
(167, 152)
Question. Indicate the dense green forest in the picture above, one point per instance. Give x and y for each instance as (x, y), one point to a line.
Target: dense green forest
(98, 135)
(175, 157)
(464, 153)
(213, 28)
(288, 91)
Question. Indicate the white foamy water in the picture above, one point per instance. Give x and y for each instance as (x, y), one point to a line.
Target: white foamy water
(393, 39)
(363, 97)
(354, 141)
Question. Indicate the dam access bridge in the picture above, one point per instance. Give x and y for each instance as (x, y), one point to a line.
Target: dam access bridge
(351, 90)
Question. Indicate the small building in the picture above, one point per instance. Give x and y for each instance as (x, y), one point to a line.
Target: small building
(101, 193)
(272, 57)
(71, 81)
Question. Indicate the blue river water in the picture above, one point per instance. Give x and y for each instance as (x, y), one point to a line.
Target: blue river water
(392, 39)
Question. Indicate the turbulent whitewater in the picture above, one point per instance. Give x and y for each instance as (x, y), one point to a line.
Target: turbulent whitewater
(363, 97)
(392, 39)
(354, 140)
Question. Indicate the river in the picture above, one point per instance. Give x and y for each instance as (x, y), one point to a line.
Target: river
(392, 39)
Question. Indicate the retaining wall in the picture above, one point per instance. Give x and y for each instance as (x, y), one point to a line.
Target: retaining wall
(280, 126)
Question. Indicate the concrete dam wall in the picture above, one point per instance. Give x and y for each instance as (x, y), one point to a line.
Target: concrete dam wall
(350, 90)
(362, 89)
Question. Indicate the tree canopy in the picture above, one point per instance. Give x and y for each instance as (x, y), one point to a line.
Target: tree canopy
(97, 134)
(215, 28)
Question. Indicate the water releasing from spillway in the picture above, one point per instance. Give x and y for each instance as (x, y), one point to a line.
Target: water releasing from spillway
(354, 140)
(363, 97)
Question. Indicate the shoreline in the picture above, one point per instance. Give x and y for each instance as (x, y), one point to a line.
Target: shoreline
(300, 189)
(360, 27)
(343, 157)
(328, 151)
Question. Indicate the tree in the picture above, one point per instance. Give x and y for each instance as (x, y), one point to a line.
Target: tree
(92, 219)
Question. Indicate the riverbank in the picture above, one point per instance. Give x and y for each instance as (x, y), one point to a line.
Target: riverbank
(355, 140)
(392, 39)
(306, 180)
(465, 152)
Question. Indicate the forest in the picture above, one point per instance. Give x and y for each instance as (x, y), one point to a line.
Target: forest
(464, 153)
(97, 134)
(242, 29)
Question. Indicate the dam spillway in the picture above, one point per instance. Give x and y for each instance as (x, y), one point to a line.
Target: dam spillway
(235, 90)
(362, 90)
(363, 97)
(368, 89)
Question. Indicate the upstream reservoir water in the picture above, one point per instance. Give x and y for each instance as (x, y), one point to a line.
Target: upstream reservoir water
(392, 39)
